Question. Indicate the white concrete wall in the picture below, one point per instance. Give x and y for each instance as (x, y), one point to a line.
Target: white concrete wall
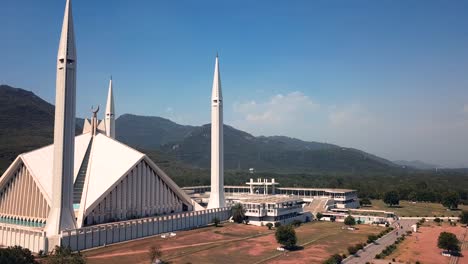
(28, 238)
(21, 199)
(105, 234)
(141, 193)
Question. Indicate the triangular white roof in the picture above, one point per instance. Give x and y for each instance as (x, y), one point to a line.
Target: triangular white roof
(104, 169)
(40, 162)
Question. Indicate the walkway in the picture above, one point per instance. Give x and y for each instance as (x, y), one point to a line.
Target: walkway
(367, 254)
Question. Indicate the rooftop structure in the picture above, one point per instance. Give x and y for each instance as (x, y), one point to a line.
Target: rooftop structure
(262, 183)
(262, 209)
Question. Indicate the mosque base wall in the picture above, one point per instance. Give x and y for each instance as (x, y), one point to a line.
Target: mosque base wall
(110, 233)
(34, 240)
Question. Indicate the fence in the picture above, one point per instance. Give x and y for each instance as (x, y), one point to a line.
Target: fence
(105, 234)
(34, 240)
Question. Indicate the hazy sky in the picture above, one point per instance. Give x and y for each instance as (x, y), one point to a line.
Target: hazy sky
(387, 77)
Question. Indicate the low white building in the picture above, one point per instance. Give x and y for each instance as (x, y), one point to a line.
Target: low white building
(261, 210)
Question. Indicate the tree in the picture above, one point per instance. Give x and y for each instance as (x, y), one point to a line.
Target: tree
(448, 241)
(269, 225)
(451, 200)
(64, 255)
(17, 255)
(391, 198)
(154, 253)
(286, 236)
(215, 221)
(238, 213)
(319, 215)
(365, 202)
(349, 220)
(464, 217)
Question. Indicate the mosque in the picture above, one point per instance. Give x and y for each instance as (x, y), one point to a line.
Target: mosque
(91, 190)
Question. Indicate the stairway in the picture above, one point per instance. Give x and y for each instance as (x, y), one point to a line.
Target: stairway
(80, 179)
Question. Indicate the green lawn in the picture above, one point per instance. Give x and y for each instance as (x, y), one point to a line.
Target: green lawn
(416, 209)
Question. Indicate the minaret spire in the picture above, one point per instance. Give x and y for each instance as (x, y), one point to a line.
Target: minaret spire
(110, 112)
(217, 142)
(61, 214)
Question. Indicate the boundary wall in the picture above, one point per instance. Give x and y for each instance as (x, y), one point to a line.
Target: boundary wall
(33, 239)
(110, 233)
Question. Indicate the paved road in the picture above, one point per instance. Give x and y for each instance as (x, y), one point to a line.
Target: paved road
(368, 254)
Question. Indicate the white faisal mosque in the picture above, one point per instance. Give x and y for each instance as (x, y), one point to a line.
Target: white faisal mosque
(91, 190)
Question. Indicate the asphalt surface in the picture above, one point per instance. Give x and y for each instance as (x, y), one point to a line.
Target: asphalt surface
(368, 254)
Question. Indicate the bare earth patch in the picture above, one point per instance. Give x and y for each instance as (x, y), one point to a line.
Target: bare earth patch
(235, 243)
(422, 246)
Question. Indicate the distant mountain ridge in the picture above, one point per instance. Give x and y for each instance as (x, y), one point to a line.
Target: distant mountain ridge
(416, 164)
(26, 122)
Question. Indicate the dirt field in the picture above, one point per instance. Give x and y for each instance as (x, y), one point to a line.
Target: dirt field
(417, 209)
(234, 243)
(422, 246)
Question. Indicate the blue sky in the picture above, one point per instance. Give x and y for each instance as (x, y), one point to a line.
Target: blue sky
(387, 77)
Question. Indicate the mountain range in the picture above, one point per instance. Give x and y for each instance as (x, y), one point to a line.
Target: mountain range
(416, 164)
(26, 122)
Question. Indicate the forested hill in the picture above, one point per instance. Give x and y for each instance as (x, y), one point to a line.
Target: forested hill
(191, 145)
(26, 122)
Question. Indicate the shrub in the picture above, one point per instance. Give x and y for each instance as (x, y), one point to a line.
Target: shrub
(349, 220)
(352, 250)
(154, 253)
(371, 238)
(464, 217)
(269, 225)
(17, 255)
(296, 223)
(359, 246)
(335, 259)
(64, 255)
(238, 213)
(319, 215)
(215, 221)
(277, 224)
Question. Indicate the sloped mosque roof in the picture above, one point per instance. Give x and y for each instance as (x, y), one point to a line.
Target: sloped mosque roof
(109, 160)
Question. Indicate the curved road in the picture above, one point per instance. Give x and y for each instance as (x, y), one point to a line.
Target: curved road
(367, 254)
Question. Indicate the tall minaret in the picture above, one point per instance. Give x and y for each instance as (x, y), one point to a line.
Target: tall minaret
(110, 113)
(217, 143)
(61, 214)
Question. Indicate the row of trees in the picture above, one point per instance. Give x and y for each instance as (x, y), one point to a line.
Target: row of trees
(450, 199)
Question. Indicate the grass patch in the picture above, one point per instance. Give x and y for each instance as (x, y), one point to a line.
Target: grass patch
(420, 209)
